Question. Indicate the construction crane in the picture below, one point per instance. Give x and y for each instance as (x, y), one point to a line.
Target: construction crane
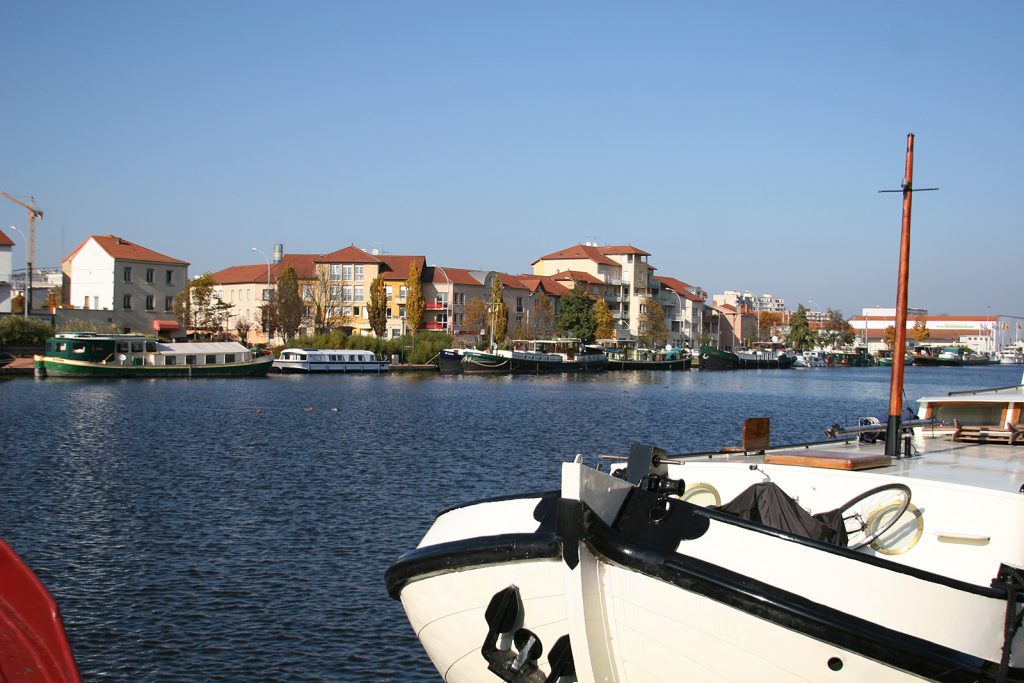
(33, 213)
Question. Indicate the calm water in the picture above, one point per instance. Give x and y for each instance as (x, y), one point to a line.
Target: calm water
(219, 530)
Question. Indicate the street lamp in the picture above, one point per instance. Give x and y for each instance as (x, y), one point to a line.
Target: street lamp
(28, 272)
(266, 297)
(449, 305)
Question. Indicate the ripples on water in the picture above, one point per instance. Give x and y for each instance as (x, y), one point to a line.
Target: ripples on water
(217, 530)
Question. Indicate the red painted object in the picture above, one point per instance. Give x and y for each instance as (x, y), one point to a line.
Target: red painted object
(33, 645)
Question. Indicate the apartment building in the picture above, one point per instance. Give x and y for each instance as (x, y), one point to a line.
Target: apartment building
(125, 284)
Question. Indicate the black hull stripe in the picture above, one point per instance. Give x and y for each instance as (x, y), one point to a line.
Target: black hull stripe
(847, 554)
(791, 611)
(442, 558)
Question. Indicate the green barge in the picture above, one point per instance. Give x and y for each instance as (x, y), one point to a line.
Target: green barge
(88, 355)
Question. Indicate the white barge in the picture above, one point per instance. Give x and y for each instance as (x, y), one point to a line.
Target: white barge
(329, 360)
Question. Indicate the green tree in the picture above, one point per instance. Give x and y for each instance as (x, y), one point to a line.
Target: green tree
(605, 321)
(195, 306)
(920, 331)
(800, 336)
(499, 311)
(838, 332)
(576, 317)
(543, 315)
(377, 310)
(652, 323)
(290, 309)
(21, 331)
(414, 305)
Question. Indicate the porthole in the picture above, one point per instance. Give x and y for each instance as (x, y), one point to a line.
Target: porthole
(903, 535)
(702, 494)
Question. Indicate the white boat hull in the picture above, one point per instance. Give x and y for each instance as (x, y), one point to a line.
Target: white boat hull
(723, 600)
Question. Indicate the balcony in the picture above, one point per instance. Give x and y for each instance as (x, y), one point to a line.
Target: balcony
(435, 326)
(435, 306)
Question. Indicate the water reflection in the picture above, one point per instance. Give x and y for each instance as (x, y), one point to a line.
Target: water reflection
(241, 528)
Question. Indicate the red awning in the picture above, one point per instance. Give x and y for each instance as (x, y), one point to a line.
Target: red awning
(161, 325)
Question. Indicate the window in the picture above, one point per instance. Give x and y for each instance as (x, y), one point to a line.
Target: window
(335, 271)
(403, 292)
(229, 358)
(307, 292)
(150, 302)
(137, 347)
(170, 277)
(127, 302)
(519, 304)
(168, 304)
(190, 360)
(346, 311)
(355, 311)
(389, 312)
(150, 275)
(358, 293)
(391, 292)
(359, 273)
(346, 293)
(335, 292)
(394, 334)
(211, 358)
(76, 347)
(401, 311)
(122, 347)
(267, 294)
(127, 273)
(346, 272)
(170, 360)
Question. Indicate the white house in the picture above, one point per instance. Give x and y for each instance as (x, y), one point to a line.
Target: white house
(6, 272)
(137, 285)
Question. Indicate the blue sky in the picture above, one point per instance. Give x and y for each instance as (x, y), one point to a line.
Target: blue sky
(742, 144)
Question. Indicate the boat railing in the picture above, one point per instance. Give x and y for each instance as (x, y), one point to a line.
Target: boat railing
(1016, 388)
(907, 425)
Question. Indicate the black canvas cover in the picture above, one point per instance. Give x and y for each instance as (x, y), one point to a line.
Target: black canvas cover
(769, 505)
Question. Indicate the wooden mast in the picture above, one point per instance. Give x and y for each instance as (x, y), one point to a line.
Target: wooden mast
(892, 431)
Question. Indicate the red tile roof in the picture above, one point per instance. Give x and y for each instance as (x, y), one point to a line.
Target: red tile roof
(593, 253)
(579, 251)
(578, 276)
(509, 281)
(625, 249)
(120, 248)
(397, 267)
(679, 287)
(544, 283)
(303, 264)
(5, 241)
(350, 254)
(458, 276)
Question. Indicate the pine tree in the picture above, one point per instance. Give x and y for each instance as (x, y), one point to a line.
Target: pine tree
(290, 309)
(414, 305)
(800, 336)
(499, 311)
(376, 311)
